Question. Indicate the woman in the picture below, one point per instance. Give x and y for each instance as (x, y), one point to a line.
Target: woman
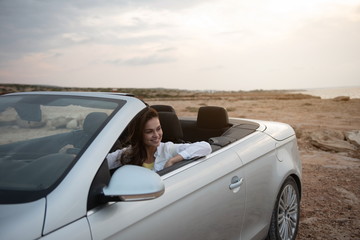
(147, 150)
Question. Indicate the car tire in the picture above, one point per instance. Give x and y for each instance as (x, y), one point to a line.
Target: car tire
(286, 214)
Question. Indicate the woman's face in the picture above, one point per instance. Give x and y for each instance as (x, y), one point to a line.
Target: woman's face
(152, 133)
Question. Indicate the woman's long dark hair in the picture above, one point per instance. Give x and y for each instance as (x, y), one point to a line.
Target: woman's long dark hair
(136, 154)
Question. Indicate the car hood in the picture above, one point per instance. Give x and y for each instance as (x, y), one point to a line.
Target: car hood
(22, 221)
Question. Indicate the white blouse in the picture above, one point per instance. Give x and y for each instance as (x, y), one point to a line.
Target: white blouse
(165, 151)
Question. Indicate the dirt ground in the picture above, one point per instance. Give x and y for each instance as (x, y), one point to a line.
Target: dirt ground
(330, 205)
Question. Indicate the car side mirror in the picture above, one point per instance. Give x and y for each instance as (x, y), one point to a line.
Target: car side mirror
(134, 183)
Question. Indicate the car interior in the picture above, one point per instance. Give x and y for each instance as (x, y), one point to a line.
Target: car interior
(212, 125)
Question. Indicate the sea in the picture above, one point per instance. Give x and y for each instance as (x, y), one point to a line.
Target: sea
(328, 93)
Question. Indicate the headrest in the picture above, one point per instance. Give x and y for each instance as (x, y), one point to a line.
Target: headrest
(171, 127)
(163, 108)
(211, 117)
(93, 121)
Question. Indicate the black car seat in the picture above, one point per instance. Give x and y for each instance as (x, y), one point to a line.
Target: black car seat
(170, 124)
(91, 124)
(93, 121)
(163, 108)
(171, 127)
(212, 121)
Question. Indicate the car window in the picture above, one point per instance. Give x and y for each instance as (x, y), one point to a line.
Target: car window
(41, 138)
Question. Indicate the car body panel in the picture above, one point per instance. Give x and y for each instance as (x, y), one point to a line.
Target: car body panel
(278, 131)
(263, 182)
(78, 230)
(29, 218)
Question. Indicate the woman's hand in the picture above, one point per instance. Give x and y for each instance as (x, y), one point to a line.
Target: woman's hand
(173, 160)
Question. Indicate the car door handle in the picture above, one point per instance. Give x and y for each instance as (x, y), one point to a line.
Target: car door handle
(235, 182)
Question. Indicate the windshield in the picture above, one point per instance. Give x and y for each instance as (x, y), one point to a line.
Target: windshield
(41, 138)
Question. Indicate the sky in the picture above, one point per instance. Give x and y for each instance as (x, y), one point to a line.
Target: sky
(181, 44)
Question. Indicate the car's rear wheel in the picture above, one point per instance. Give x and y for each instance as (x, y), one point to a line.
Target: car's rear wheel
(285, 218)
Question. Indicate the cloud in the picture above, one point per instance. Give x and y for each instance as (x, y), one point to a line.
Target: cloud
(35, 26)
(169, 49)
(31, 26)
(141, 61)
(235, 44)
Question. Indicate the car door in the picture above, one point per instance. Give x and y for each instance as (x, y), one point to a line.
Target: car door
(202, 200)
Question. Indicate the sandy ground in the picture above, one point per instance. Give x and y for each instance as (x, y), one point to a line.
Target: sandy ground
(330, 205)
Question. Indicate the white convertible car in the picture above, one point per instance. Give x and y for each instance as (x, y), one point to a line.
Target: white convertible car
(55, 182)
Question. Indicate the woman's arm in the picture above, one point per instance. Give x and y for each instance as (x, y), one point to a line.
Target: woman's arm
(113, 158)
(173, 160)
(196, 149)
(188, 151)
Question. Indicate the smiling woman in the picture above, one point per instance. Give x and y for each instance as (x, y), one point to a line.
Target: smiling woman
(147, 149)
